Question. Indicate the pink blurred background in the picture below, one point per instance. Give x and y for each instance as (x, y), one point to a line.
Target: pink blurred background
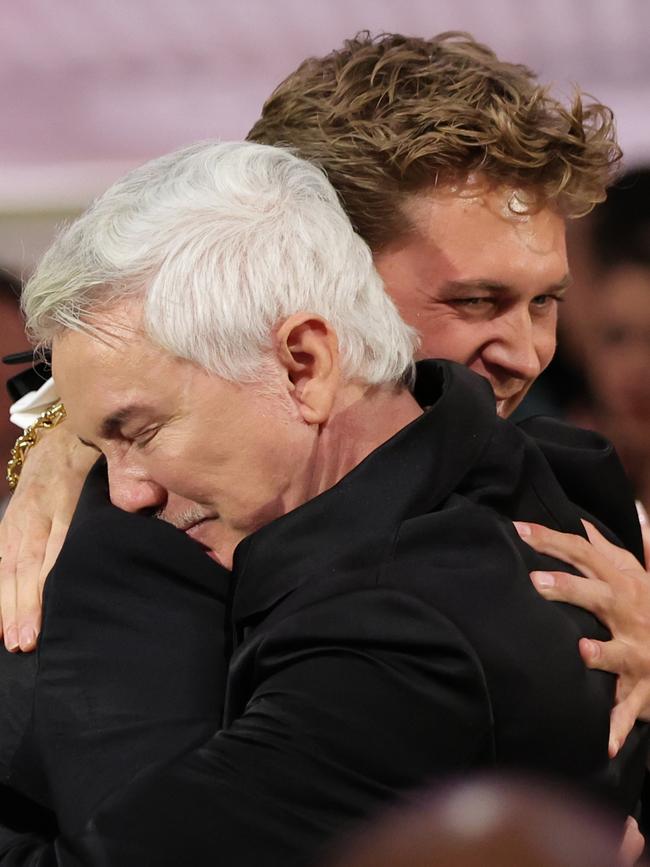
(92, 87)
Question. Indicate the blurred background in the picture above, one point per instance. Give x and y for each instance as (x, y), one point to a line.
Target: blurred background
(92, 88)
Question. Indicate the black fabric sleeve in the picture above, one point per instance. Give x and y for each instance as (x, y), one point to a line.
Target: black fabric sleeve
(131, 671)
(132, 657)
(336, 728)
(589, 470)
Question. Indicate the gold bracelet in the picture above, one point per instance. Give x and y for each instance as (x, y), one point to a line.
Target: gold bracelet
(52, 416)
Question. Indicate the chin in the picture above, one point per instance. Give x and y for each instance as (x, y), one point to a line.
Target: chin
(224, 560)
(507, 406)
(214, 556)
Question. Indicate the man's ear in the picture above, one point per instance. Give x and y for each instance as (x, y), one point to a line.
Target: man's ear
(307, 348)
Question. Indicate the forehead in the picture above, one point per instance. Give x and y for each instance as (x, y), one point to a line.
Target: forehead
(101, 373)
(114, 353)
(473, 234)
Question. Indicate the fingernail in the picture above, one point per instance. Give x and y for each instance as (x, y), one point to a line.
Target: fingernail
(641, 512)
(614, 747)
(543, 580)
(522, 528)
(11, 639)
(27, 637)
(590, 647)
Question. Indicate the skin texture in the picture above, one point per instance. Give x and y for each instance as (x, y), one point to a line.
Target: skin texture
(214, 458)
(31, 536)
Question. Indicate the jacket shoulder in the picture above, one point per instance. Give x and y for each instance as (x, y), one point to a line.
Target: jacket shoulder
(589, 470)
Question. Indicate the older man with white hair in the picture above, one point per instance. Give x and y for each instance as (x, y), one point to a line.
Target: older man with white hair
(220, 335)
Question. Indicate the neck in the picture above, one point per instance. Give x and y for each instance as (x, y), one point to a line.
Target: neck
(363, 419)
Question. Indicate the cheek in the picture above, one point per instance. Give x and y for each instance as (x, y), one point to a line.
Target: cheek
(452, 340)
(546, 342)
(176, 469)
(546, 354)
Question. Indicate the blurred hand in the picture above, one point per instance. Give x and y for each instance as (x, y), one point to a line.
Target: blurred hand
(617, 590)
(632, 845)
(34, 526)
(644, 521)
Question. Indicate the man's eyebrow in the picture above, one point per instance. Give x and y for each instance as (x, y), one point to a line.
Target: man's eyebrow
(563, 284)
(111, 425)
(462, 287)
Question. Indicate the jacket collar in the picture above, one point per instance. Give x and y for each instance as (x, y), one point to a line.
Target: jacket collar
(354, 523)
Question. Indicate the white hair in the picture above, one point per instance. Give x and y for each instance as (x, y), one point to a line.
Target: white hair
(223, 241)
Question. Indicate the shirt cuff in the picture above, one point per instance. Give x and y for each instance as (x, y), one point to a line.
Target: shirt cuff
(27, 409)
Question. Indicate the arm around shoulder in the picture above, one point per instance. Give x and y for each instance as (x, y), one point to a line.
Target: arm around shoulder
(357, 700)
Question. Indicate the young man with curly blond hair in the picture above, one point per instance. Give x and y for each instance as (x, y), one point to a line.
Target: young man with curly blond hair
(458, 170)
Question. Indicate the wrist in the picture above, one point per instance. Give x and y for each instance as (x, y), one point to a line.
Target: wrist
(47, 420)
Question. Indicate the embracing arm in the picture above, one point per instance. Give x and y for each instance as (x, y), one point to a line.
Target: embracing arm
(33, 529)
(334, 729)
(131, 671)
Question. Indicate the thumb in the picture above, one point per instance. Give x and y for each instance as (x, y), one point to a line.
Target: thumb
(622, 720)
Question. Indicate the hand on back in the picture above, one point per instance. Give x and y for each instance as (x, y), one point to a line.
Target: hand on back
(33, 529)
(616, 588)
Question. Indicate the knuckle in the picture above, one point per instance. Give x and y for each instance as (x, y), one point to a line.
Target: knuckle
(600, 605)
(583, 548)
(563, 583)
(26, 565)
(623, 668)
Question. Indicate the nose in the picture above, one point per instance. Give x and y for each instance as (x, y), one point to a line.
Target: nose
(132, 491)
(514, 348)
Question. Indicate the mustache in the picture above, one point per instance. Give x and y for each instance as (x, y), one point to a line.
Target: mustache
(182, 520)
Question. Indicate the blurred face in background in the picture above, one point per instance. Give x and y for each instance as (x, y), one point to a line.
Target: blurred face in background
(619, 352)
(12, 339)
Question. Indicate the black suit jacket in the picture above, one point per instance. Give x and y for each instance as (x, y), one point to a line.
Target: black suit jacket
(382, 636)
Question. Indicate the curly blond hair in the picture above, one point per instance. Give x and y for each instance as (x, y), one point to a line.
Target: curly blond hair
(391, 115)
